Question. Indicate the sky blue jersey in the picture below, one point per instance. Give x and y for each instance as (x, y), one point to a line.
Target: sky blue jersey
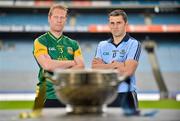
(128, 49)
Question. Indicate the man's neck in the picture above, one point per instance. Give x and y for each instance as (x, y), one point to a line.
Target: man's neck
(118, 39)
(56, 34)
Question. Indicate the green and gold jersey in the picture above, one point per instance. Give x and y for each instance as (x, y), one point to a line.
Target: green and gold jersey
(62, 48)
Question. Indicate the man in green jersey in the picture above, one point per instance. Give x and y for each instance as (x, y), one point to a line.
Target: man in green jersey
(54, 50)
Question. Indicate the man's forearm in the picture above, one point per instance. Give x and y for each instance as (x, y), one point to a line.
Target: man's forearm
(79, 63)
(51, 65)
(126, 68)
(77, 66)
(103, 66)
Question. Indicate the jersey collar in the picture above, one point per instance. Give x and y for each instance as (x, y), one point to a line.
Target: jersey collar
(54, 38)
(125, 39)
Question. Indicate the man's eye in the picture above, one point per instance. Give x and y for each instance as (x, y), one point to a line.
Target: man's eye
(56, 17)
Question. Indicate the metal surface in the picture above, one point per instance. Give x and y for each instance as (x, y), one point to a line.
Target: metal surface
(86, 91)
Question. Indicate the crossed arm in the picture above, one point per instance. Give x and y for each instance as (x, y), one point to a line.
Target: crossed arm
(50, 65)
(126, 68)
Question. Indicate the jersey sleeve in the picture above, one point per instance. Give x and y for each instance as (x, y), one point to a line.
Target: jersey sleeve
(98, 52)
(77, 51)
(39, 48)
(134, 51)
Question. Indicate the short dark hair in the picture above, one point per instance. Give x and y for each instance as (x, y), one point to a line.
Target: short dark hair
(119, 12)
(59, 6)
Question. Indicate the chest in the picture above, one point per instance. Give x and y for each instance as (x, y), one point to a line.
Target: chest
(60, 51)
(112, 53)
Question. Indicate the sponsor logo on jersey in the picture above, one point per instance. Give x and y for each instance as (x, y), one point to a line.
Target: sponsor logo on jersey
(51, 49)
(105, 53)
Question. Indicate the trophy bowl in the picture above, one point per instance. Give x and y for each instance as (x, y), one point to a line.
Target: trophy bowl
(86, 91)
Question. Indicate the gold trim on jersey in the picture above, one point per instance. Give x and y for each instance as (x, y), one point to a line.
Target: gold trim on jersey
(37, 90)
(77, 53)
(39, 49)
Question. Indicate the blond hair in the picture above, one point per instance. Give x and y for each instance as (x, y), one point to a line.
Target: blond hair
(59, 6)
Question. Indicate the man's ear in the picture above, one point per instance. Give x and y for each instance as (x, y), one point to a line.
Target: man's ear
(48, 19)
(126, 23)
(66, 20)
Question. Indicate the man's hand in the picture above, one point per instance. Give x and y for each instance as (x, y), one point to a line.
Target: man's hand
(78, 63)
(117, 64)
(73, 63)
(97, 61)
(50, 65)
(126, 68)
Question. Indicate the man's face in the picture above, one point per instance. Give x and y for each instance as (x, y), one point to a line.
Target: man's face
(117, 25)
(57, 20)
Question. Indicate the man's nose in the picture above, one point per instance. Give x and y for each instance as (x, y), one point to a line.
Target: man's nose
(59, 19)
(115, 25)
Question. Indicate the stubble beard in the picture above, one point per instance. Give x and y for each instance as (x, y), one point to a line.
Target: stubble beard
(117, 34)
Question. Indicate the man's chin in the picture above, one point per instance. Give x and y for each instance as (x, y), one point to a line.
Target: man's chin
(57, 30)
(117, 35)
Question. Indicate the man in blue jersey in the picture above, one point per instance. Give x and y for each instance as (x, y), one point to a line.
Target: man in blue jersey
(120, 52)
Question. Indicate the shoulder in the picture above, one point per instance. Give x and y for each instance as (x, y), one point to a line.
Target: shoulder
(42, 39)
(134, 42)
(104, 42)
(69, 40)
